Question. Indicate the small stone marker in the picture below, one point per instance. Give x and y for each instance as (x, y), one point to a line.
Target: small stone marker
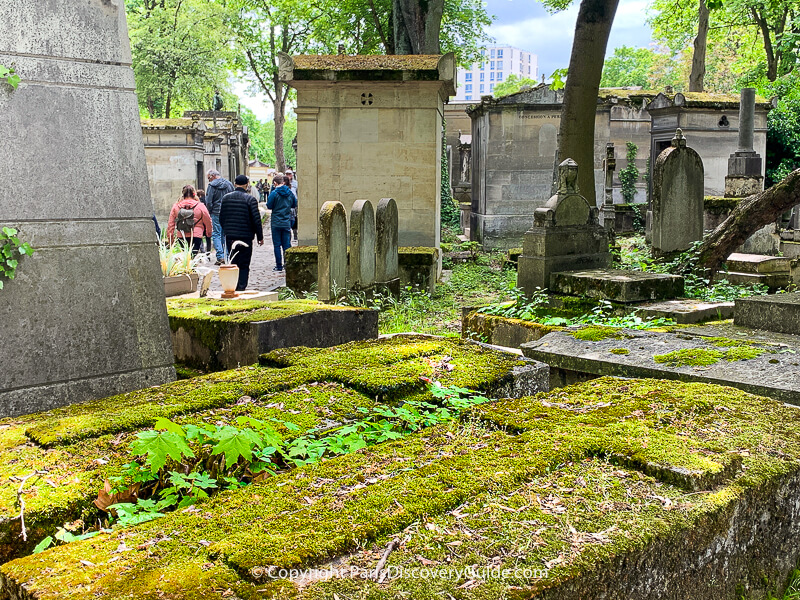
(565, 236)
(386, 246)
(332, 251)
(362, 246)
(678, 189)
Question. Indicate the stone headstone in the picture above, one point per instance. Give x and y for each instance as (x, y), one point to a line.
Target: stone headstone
(565, 236)
(332, 252)
(362, 246)
(386, 245)
(85, 317)
(677, 215)
(744, 166)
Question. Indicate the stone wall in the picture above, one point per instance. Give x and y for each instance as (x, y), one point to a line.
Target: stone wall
(85, 317)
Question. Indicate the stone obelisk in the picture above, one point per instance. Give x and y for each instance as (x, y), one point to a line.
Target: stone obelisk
(744, 166)
(85, 317)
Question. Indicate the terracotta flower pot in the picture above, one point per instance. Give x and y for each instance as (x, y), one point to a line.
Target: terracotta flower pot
(229, 277)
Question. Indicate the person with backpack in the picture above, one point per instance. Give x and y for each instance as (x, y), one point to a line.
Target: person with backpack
(281, 202)
(189, 220)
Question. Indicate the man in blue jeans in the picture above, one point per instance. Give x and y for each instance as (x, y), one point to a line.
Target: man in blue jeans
(281, 202)
(218, 187)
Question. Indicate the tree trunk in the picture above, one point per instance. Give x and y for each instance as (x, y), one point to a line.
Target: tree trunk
(278, 107)
(753, 213)
(417, 24)
(576, 133)
(697, 76)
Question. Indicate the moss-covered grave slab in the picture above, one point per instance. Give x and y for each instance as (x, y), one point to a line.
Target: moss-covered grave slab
(219, 334)
(615, 489)
(763, 368)
(76, 448)
(618, 286)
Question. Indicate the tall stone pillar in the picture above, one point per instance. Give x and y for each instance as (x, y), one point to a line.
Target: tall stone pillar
(744, 166)
(85, 317)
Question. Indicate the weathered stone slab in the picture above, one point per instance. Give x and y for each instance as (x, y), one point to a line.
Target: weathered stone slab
(362, 246)
(86, 311)
(758, 263)
(616, 285)
(217, 335)
(686, 312)
(82, 445)
(778, 312)
(592, 491)
(774, 372)
(386, 245)
(332, 256)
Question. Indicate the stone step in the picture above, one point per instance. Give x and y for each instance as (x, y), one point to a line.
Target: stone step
(779, 312)
(757, 263)
(771, 280)
(790, 249)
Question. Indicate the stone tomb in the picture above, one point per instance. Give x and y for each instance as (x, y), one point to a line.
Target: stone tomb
(565, 236)
(677, 215)
(618, 286)
(332, 255)
(85, 317)
(371, 126)
(779, 313)
(763, 368)
(618, 489)
(220, 334)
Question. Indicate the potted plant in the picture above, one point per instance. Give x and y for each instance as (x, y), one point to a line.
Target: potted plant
(229, 272)
(178, 267)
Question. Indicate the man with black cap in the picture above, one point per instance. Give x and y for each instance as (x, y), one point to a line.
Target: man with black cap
(241, 222)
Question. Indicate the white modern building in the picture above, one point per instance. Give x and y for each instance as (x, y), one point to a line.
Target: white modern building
(499, 62)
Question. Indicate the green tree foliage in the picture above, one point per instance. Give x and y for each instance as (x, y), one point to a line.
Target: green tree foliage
(630, 174)
(629, 67)
(259, 132)
(512, 85)
(783, 128)
(180, 54)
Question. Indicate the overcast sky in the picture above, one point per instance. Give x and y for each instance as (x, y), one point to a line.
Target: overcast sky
(528, 26)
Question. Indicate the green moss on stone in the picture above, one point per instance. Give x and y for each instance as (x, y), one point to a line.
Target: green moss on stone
(620, 351)
(596, 333)
(690, 357)
(718, 205)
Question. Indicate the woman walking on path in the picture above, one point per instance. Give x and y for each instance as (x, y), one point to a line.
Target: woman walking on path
(189, 220)
(281, 202)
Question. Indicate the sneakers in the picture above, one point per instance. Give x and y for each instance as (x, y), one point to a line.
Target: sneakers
(219, 262)
(278, 269)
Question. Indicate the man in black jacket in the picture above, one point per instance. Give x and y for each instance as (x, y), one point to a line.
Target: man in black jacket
(241, 222)
(218, 186)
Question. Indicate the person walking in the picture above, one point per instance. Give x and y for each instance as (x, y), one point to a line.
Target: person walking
(281, 202)
(201, 195)
(241, 222)
(218, 187)
(188, 220)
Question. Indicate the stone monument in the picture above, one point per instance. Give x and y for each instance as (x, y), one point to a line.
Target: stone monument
(677, 215)
(85, 317)
(367, 126)
(745, 165)
(607, 211)
(566, 235)
(332, 252)
(387, 270)
(362, 247)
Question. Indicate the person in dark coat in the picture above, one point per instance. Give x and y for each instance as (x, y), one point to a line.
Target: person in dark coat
(281, 202)
(241, 222)
(218, 186)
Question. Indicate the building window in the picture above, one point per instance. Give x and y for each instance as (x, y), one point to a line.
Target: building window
(500, 76)
(491, 53)
(499, 54)
(529, 69)
(468, 97)
(482, 76)
(482, 88)
(468, 88)
(491, 65)
(468, 77)
(491, 88)
(491, 76)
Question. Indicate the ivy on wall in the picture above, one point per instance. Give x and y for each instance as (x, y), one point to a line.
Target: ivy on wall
(9, 75)
(11, 251)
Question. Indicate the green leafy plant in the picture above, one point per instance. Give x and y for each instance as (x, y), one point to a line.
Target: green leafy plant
(179, 465)
(9, 74)
(11, 251)
(177, 259)
(630, 174)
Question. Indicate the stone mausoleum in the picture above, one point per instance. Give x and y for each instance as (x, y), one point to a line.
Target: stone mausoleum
(370, 127)
(180, 151)
(514, 144)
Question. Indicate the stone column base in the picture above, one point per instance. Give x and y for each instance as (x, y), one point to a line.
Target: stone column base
(739, 186)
